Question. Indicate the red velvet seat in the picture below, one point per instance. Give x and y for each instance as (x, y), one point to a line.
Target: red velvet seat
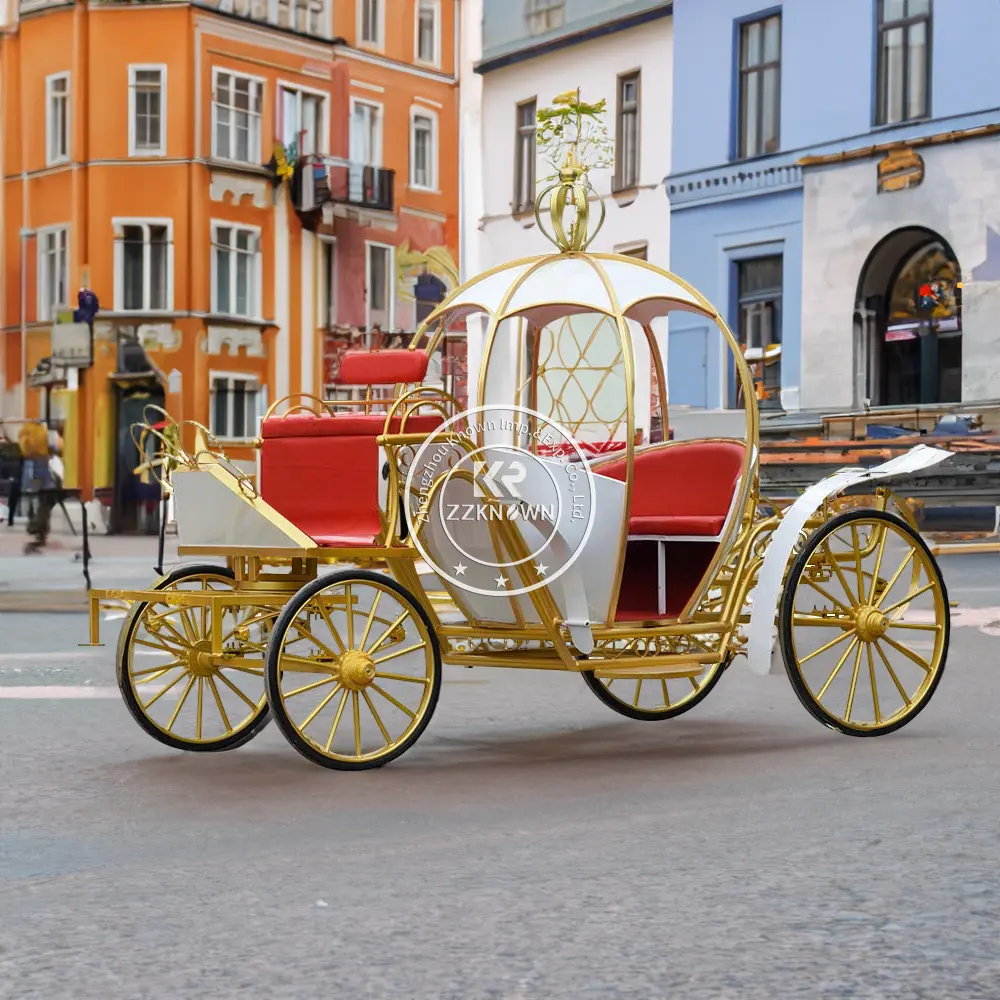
(321, 472)
(681, 489)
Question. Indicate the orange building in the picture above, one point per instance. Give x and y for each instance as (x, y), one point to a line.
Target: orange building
(248, 186)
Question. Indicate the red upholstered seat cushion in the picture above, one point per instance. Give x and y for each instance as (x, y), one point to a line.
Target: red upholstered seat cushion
(682, 488)
(382, 367)
(321, 472)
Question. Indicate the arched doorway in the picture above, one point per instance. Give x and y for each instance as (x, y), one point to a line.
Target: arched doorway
(908, 322)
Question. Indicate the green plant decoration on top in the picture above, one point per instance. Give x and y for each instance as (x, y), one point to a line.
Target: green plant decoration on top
(573, 132)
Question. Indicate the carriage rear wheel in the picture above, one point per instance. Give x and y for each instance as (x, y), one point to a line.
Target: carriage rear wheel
(173, 687)
(864, 623)
(650, 699)
(353, 670)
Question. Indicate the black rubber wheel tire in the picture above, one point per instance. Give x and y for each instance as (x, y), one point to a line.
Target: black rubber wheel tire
(788, 604)
(238, 738)
(281, 625)
(630, 712)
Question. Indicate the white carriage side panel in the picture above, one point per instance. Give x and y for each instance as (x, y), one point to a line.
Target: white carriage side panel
(213, 510)
(779, 550)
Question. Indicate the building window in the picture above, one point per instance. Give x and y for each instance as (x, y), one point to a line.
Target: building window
(328, 284)
(378, 284)
(234, 406)
(524, 165)
(147, 110)
(429, 32)
(57, 118)
(423, 151)
(301, 117)
(544, 15)
(370, 22)
(904, 63)
(759, 327)
(143, 265)
(236, 118)
(53, 272)
(236, 271)
(760, 86)
(305, 16)
(627, 144)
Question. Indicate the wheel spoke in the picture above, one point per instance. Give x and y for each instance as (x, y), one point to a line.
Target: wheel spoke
(909, 597)
(385, 635)
(878, 563)
(319, 708)
(229, 684)
(162, 647)
(638, 691)
(857, 562)
(895, 577)
(371, 618)
(218, 704)
(825, 647)
(306, 633)
(871, 676)
(920, 626)
(156, 697)
(666, 693)
(377, 717)
(854, 681)
(357, 721)
(820, 621)
(840, 573)
(325, 615)
(918, 660)
(156, 671)
(180, 704)
(402, 677)
(399, 652)
(836, 669)
(310, 687)
(385, 694)
(833, 600)
(336, 721)
(892, 673)
(350, 630)
(201, 699)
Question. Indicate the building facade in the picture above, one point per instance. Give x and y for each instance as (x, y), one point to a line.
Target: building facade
(835, 192)
(248, 186)
(532, 50)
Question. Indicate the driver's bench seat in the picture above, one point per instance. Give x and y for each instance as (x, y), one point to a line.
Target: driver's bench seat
(681, 495)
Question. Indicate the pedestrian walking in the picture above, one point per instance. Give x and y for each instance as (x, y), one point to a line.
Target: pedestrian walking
(11, 465)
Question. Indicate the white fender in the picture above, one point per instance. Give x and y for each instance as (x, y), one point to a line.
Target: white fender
(779, 549)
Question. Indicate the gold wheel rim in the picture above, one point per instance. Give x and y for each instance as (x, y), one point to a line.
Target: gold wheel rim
(356, 671)
(179, 687)
(868, 624)
(653, 695)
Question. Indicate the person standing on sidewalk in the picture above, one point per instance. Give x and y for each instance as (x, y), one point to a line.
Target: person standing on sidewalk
(11, 465)
(37, 480)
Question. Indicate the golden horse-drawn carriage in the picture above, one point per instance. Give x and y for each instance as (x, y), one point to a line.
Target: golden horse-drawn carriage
(539, 529)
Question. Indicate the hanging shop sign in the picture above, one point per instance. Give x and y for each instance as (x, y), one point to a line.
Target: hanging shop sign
(900, 169)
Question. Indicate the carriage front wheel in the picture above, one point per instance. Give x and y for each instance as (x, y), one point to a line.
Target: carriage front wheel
(864, 623)
(353, 670)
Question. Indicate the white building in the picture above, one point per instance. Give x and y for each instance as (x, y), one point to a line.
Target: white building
(532, 50)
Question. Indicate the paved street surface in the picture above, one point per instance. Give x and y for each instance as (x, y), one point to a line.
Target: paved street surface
(532, 845)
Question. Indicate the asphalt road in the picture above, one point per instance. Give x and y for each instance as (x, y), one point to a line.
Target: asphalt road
(532, 845)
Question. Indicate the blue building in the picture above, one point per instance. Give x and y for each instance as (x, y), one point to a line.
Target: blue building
(835, 191)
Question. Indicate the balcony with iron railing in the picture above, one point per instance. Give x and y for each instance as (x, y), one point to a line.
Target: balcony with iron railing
(329, 179)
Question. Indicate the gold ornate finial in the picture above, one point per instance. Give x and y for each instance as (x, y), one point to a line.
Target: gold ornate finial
(573, 137)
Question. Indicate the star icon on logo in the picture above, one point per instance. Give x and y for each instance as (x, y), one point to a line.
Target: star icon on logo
(460, 570)
(541, 569)
(501, 581)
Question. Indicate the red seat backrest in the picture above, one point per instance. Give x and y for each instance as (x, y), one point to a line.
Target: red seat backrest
(683, 478)
(321, 472)
(382, 367)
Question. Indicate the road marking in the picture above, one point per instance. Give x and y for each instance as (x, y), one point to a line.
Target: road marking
(57, 692)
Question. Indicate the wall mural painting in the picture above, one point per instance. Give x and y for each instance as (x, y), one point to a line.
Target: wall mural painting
(928, 287)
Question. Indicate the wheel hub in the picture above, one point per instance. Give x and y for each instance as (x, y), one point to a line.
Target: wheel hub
(869, 623)
(357, 670)
(200, 660)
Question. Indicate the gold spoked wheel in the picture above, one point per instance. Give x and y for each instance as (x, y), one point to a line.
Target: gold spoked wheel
(174, 687)
(353, 670)
(864, 623)
(652, 698)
